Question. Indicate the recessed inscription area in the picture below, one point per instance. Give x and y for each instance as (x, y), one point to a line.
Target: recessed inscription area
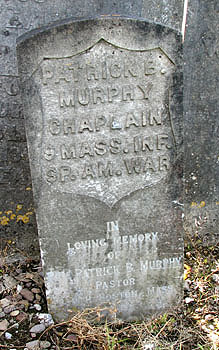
(106, 121)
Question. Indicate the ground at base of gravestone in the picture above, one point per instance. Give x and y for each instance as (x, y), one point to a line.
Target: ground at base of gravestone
(26, 324)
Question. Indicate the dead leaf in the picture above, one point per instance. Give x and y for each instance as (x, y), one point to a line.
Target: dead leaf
(187, 271)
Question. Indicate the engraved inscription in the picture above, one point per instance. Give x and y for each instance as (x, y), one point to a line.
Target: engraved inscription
(107, 121)
(116, 277)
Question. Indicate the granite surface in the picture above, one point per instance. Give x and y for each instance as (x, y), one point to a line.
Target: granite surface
(201, 69)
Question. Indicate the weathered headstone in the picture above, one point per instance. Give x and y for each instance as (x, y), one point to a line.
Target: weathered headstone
(103, 107)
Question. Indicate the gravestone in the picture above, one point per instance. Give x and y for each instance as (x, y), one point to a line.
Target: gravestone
(103, 108)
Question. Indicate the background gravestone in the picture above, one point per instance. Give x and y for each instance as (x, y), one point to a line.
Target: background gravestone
(16, 18)
(103, 106)
(201, 68)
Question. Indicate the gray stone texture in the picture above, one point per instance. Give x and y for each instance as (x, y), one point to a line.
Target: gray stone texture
(201, 59)
(103, 109)
(18, 17)
(166, 12)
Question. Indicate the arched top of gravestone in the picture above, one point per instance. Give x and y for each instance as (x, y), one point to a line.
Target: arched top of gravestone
(78, 36)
